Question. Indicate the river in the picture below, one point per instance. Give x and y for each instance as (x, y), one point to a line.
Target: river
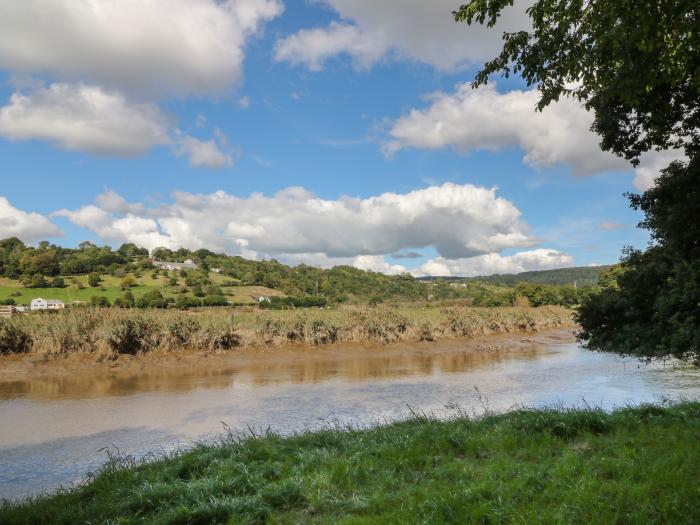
(55, 426)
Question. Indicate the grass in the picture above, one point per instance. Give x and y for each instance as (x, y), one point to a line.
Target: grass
(110, 331)
(110, 287)
(635, 465)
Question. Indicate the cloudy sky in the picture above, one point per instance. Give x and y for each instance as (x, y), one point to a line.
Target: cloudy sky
(320, 131)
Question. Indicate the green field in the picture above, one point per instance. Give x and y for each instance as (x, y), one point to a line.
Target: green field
(635, 465)
(110, 287)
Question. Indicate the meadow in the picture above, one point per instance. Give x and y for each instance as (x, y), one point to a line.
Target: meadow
(634, 465)
(78, 289)
(107, 332)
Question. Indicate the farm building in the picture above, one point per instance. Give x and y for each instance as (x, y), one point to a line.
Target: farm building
(189, 264)
(47, 304)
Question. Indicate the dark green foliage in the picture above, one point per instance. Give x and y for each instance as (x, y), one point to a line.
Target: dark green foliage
(636, 465)
(183, 302)
(214, 300)
(634, 65)
(650, 306)
(284, 303)
(13, 339)
(99, 300)
(94, 279)
(152, 299)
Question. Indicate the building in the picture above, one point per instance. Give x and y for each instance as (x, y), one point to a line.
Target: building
(47, 304)
(189, 264)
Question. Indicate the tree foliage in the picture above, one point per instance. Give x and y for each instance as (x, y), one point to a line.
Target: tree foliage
(636, 65)
(651, 304)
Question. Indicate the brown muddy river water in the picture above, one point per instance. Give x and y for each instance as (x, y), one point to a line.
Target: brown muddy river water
(57, 419)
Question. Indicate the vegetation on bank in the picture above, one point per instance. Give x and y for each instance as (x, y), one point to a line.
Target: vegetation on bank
(126, 277)
(635, 465)
(107, 332)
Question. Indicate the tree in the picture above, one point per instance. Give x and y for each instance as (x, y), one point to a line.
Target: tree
(636, 66)
(94, 279)
(58, 282)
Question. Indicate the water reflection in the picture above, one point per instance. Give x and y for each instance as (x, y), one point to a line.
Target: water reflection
(358, 363)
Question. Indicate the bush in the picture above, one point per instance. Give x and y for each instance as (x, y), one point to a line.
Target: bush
(99, 300)
(13, 340)
(94, 279)
(214, 300)
(131, 336)
(58, 282)
(152, 299)
(8, 302)
(183, 302)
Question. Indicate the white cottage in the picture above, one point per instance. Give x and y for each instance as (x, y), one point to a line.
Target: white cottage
(39, 304)
(46, 304)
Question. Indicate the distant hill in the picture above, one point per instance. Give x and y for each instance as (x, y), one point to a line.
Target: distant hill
(582, 275)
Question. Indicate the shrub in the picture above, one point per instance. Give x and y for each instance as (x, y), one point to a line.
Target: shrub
(13, 339)
(131, 336)
(99, 300)
(214, 300)
(183, 302)
(94, 279)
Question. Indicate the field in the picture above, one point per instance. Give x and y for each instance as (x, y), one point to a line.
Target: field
(78, 289)
(637, 465)
(106, 332)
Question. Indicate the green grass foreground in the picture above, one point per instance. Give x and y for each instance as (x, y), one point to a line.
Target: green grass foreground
(635, 465)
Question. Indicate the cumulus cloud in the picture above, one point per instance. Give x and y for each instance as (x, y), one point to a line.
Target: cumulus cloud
(369, 30)
(494, 263)
(485, 119)
(211, 153)
(27, 226)
(147, 47)
(84, 118)
(457, 220)
(110, 63)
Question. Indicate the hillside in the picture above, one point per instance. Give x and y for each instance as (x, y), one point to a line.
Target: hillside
(581, 275)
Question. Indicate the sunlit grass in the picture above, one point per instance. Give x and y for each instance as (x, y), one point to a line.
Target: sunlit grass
(637, 465)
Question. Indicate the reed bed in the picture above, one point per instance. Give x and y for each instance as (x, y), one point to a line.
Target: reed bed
(109, 332)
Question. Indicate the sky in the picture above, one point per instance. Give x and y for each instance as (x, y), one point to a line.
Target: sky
(321, 132)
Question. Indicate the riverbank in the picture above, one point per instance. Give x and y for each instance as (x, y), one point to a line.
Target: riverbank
(107, 333)
(80, 376)
(636, 465)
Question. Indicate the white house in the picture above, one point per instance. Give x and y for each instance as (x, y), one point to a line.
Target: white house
(189, 264)
(44, 304)
(39, 304)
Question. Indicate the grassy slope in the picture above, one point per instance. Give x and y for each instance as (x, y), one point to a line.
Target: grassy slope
(632, 466)
(112, 290)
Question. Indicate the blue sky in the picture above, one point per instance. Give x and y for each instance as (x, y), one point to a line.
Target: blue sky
(323, 122)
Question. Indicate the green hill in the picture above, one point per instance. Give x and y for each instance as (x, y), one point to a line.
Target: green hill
(581, 275)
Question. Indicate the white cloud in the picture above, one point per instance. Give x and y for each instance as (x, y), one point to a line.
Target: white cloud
(84, 118)
(376, 263)
(458, 220)
(369, 30)
(27, 226)
(484, 119)
(494, 263)
(312, 47)
(205, 153)
(651, 164)
(148, 47)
